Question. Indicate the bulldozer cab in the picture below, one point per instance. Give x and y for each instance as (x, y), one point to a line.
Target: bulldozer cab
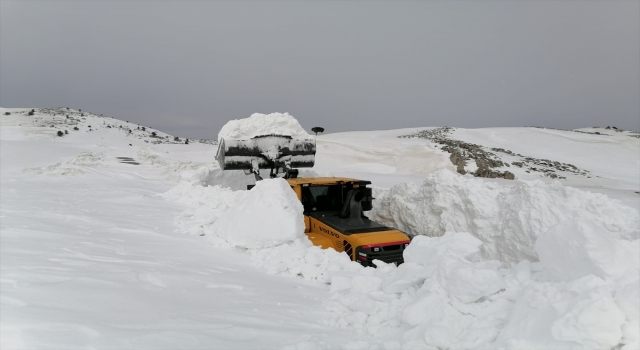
(332, 197)
(322, 198)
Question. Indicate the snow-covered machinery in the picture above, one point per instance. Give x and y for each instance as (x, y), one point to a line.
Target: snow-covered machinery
(333, 206)
(282, 154)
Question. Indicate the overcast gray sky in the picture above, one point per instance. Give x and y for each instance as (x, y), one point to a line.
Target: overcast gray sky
(187, 67)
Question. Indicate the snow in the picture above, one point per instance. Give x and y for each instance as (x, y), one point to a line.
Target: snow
(507, 218)
(444, 296)
(270, 214)
(93, 260)
(259, 124)
(255, 221)
(575, 315)
(612, 158)
(576, 248)
(302, 259)
(97, 252)
(378, 156)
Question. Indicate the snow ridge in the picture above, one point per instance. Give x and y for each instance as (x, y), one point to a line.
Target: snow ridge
(444, 297)
(507, 219)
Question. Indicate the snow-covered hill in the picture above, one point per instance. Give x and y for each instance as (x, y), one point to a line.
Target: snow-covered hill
(94, 253)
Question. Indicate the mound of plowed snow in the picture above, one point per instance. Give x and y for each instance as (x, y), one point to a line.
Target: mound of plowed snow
(444, 297)
(301, 258)
(268, 215)
(259, 124)
(577, 247)
(507, 219)
(271, 229)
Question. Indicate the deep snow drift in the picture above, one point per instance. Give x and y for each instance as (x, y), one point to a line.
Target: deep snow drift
(447, 295)
(268, 215)
(90, 257)
(507, 217)
(444, 296)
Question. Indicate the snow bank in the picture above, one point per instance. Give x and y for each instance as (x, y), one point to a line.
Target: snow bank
(576, 248)
(263, 124)
(246, 220)
(439, 297)
(581, 314)
(301, 258)
(59, 168)
(444, 297)
(73, 167)
(507, 219)
(268, 215)
(205, 203)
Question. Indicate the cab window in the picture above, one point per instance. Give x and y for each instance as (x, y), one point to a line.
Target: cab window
(322, 198)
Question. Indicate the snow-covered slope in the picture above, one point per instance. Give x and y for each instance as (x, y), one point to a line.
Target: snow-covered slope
(90, 256)
(608, 162)
(379, 156)
(612, 159)
(94, 253)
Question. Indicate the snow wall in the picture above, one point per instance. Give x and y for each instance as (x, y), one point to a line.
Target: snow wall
(507, 219)
(445, 297)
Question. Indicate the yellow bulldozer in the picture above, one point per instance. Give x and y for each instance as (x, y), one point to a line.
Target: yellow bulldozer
(333, 206)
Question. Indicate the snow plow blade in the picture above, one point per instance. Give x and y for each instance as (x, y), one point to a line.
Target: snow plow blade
(266, 152)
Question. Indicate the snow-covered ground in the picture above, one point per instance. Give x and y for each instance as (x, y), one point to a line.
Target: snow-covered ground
(114, 237)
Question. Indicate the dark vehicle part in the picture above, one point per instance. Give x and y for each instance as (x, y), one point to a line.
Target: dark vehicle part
(280, 153)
